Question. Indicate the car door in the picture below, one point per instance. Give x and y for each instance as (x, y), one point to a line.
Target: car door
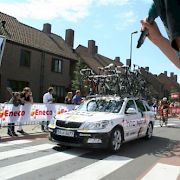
(141, 123)
(131, 119)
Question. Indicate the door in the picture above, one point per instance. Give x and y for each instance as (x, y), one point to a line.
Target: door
(131, 118)
(142, 122)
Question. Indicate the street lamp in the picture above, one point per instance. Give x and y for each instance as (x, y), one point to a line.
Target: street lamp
(131, 48)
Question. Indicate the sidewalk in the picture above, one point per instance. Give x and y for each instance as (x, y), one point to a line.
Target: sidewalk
(31, 131)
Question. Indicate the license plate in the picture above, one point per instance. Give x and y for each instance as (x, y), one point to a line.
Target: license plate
(65, 133)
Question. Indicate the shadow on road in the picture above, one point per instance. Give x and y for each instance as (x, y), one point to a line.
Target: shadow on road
(157, 146)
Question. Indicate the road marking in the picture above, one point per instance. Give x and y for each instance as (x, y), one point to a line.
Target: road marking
(15, 142)
(17, 169)
(98, 169)
(169, 124)
(25, 150)
(163, 171)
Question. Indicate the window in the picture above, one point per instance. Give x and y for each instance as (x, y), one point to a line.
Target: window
(17, 85)
(147, 107)
(140, 106)
(59, 91)
(130, 104)
(56, 65)
(25, 58)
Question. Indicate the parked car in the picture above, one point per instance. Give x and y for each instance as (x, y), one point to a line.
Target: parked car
(103, 122)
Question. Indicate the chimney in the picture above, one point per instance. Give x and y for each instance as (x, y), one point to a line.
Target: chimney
(147, 69)
(47, 28)
(91, 47)
(96, 49)
(165, 73)
(171, 75)
(175, 78)
(117, 59)
(69, 37)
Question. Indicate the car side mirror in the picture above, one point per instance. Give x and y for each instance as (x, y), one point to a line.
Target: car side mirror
(131, 111)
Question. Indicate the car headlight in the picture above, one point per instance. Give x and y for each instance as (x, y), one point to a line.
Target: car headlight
(52, 122)
(95, 125)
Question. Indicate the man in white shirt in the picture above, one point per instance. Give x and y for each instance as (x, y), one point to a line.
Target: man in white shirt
(48, 99)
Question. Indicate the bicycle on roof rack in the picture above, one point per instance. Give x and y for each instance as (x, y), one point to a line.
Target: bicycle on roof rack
(119, 80)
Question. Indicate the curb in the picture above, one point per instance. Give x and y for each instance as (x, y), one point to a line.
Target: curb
(26, 136)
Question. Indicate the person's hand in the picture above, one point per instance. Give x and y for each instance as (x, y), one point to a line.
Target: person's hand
(154, 33)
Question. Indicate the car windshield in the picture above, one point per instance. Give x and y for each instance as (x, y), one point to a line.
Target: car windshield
(101, 105)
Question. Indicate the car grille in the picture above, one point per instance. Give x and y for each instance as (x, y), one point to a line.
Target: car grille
(67, 124)
(68, 139)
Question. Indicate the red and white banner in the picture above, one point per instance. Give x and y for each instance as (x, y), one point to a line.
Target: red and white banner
(31, 112)
(174, 110)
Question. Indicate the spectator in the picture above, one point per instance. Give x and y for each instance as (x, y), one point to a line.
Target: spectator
(155, 107)
(77, 98)
(68, 98)
(48, 99)
(169, 12)
(16, 101)
(26, 97)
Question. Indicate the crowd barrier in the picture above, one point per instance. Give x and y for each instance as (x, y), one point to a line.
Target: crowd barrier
(172, 111)
(31, 113)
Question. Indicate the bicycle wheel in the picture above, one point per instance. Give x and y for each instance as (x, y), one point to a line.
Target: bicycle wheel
(161, 121)
(165, 121)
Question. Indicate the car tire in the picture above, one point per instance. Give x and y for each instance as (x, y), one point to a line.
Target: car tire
(149, 131)
(115, 140)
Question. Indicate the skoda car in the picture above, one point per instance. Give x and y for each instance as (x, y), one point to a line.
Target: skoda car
(103, 122)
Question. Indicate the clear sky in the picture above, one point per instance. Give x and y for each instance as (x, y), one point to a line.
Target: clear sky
(108, 22)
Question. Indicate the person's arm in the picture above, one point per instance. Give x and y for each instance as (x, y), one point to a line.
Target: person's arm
(31, 99)
(74, 100)
(45, 99)
(161, 42)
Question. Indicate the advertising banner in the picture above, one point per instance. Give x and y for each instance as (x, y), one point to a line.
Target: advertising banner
(31, 112)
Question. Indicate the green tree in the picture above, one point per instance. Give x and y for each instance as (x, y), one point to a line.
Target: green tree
(77, 82)
(173, 89)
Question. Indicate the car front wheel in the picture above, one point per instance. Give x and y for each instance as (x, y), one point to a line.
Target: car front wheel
(116, 140)
(149, 131)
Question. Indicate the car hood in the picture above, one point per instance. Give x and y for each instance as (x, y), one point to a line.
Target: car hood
(77, 116)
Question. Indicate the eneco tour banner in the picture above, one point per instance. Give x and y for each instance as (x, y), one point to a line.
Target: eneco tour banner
(31, 112)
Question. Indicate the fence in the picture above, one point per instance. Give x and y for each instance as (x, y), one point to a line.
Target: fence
(172, 111)
(30, 113)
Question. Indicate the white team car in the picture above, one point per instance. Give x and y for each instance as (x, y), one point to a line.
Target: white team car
(103, 122)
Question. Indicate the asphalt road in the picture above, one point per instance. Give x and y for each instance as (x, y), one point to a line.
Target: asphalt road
(39, 159)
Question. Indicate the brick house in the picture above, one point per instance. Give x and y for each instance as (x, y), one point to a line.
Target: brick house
(40, 59)
(161, 85)
(90, 57)
(170, 83)
(35, 58)
(93, 59)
